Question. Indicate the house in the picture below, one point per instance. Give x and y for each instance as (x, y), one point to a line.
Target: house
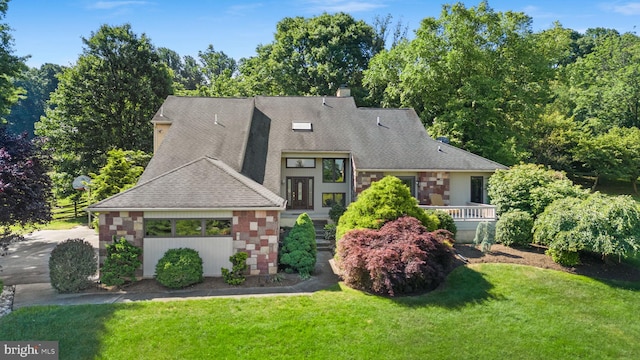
(228, 173)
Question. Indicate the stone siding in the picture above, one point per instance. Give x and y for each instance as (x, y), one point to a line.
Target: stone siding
(257, 233)
(433, 183)
(364, 179)
(127, 224)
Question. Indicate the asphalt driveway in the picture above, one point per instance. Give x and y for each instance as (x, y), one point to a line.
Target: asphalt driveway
(27, 262)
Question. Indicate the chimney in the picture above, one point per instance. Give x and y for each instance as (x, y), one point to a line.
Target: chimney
(343, 91)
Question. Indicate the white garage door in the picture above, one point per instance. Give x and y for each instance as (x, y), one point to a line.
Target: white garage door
(214, 252)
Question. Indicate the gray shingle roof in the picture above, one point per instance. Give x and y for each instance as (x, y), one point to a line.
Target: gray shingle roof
(251, 134)
(205, 183)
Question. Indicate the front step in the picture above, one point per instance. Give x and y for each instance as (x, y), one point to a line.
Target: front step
(321, 243)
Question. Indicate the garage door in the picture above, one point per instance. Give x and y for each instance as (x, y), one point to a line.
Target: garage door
(215, 252)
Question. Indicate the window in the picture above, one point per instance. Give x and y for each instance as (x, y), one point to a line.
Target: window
(328, 199)
(301, 163)
(333, 170)
(186, 227)
(410, 181)
(477, 189)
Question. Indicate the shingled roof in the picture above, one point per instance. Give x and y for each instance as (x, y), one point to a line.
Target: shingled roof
(251, 134)
(205, 184)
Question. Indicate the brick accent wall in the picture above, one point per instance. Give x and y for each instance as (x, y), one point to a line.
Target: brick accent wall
(433, 183)
(257, 233)
(129, 225)
(364, 179)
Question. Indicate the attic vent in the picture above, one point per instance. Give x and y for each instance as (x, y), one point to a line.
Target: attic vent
(301, 126)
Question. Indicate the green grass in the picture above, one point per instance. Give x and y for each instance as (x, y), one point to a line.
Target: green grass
(486, 311)
(64, 217)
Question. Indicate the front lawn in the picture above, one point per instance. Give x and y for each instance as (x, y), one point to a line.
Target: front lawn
(485, 311)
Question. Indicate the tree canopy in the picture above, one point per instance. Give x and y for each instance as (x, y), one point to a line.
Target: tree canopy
(105, 101)
(11, 66)
(25, 187)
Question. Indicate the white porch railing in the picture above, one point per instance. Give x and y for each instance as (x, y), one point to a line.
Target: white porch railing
(479, 212)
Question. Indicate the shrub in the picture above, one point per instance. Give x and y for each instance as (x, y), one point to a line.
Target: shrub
(179, 268)
(238, 267)
(121, 263)
(298, 253)
(402, 257)
(71, 264)
(530, 188)
(385, 200)
(514, 228)
(330, 232)
(563, 257)
(485, 235)
(445, 221)
(336, 211)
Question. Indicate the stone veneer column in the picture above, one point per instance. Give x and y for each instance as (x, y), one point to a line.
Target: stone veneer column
(256, 233)
(433, 183)
(129, 225)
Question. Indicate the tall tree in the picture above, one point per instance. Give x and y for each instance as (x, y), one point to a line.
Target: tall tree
(313, 56)
(25, 187)
(187, 74)
(11, 66)
(105, 101)
(38, 84)
(605, 84)
(474, 75)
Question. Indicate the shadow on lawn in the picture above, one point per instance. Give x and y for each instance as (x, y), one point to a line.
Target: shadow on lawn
(79, 329)
(463, 286)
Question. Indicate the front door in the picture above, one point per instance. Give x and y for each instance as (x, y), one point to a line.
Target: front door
(299, 193)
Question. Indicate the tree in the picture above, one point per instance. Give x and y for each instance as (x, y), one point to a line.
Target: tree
(38, 84)
(121, 172)
(11, 66)
(385, 200)
(105, 101)
(529, 188)
(473, 75)
(187, 74)
(25, 187)
(312, 57)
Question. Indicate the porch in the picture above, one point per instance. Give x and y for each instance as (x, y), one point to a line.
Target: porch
(467, 218)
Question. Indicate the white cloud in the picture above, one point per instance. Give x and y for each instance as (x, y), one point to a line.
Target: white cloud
(109, 5)
(628, 8)
(344, 6)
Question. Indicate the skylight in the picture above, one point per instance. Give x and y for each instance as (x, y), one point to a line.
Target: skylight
(301, 126)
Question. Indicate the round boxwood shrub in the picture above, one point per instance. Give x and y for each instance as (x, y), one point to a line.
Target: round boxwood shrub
(179, 268)
(71, 265)
(515, 228)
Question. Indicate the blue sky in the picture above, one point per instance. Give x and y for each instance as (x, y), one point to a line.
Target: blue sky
(51, 31)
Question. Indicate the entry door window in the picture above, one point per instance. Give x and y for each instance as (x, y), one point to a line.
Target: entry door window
(300, 193)
(477, 189)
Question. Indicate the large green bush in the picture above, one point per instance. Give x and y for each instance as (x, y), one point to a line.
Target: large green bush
(385, 200)
(514, 228)
(445, 221)
(71, 265)
(179, 268)
(530, 188)
(121, 263)
(608, 225)
(298, 252)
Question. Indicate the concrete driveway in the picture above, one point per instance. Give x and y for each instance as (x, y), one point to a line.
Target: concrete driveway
(27, 262)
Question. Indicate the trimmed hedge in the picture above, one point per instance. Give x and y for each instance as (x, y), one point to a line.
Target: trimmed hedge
(71, 264)
(121, 263)
(179, 268)
(402, 257)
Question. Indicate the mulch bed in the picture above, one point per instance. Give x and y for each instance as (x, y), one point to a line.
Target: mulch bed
(591, 265)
